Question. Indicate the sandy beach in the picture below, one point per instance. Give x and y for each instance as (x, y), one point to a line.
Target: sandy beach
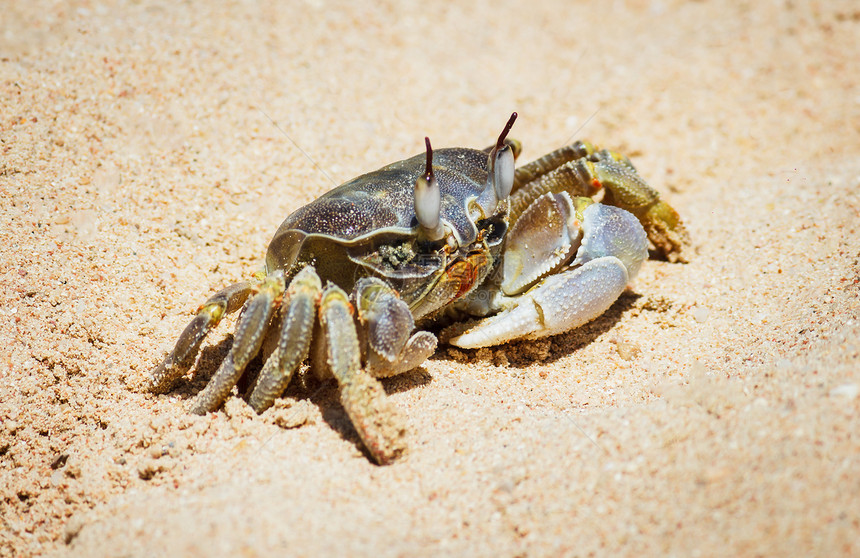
(149, 150)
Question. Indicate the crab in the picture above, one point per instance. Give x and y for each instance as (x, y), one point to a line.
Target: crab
(455, 240)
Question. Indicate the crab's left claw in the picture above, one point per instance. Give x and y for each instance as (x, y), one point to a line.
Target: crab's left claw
(612, 248)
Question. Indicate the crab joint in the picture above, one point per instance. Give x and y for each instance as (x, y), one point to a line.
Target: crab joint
(428, 200)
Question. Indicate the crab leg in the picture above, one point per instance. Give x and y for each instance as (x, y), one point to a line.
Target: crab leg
(559, 171)
(380, 425)
(626, 189)
(549, 162)
(208, 316)
(581, 170)
(246, 343)
(610, 253)
(293, 341)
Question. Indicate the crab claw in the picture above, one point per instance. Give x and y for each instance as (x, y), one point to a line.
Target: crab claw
(390, 347)
(612, 249)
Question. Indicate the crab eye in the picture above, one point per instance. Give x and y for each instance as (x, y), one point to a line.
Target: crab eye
(502, 163)
(503, 172)
(428, 200)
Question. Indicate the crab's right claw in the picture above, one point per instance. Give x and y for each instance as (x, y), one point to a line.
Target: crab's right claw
(557, 304)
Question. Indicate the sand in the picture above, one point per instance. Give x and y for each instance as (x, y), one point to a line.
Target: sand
(149, 151)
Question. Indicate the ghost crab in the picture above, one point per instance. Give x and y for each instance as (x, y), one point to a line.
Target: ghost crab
(449, 234)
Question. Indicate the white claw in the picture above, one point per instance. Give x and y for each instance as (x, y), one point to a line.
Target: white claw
(558, 304)
(612, 231)
(613, 248)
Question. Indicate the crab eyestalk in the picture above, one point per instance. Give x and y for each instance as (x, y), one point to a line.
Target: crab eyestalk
(428, 201)
(500, 171)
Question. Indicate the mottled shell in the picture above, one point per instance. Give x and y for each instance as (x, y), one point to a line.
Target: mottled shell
(375, 209)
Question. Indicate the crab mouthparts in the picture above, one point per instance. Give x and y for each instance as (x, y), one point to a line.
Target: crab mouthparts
(466, 272)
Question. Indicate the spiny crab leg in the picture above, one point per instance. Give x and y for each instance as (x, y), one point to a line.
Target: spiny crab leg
(573, 177)
(298, 309)
(581, 170)
(378, 422)
(208, 316)
(247, 339)
(539, 167)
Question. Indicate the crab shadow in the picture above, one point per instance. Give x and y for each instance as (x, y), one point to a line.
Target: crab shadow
(525, 353)
(324, 394)
(326, 397)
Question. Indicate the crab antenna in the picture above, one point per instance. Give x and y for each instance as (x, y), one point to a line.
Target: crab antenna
(428, 200)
